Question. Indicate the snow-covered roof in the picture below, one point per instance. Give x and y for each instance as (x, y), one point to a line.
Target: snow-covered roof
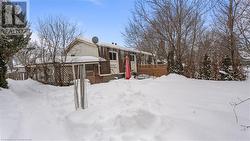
(123, 48)
(103, 44)
(73, 59)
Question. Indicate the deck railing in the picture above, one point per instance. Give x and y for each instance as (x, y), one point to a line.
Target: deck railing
(17, 75)
(153, 70)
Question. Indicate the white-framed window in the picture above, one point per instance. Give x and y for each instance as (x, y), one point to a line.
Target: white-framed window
(113, 55)
(132, 57)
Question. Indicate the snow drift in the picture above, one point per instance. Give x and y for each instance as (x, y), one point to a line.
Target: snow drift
(167, 108)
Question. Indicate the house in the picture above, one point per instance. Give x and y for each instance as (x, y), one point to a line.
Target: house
(113, 54)
(103, 62)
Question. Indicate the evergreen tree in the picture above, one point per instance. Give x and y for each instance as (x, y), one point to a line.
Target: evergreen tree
(227, 68)
(171, 63)
(174, 66)
(179, 67)
(3, 70)
(206, 68)
(10, 44)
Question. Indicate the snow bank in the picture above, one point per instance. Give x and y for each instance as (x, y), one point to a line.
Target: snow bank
(167, 108)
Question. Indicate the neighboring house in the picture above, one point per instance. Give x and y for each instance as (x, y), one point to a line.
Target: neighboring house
(102, 61)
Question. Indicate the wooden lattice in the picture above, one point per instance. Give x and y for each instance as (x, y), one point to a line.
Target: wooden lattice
(61, 74)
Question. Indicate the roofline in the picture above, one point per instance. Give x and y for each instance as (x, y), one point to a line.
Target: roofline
(124, 48)
(107, 45)
(66, 63)
(77, 41)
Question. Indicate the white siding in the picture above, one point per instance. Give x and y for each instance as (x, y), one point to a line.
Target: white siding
(83, 49)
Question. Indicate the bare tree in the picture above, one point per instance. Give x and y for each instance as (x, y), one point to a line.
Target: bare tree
(175, 23)
(231, 14)
(29, 54)
(243, 26)
(182, 32)
(56, 33)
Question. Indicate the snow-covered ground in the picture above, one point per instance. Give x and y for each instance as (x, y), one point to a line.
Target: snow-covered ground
(167, 108)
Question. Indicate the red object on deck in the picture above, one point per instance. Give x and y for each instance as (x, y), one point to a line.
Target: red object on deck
(127, 67)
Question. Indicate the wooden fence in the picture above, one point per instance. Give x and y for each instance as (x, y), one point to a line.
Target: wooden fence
(153, 70)
(17, 75)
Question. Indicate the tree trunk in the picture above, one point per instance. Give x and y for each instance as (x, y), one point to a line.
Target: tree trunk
(231, 35)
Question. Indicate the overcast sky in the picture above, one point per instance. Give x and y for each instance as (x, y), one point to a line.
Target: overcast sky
(103, 18)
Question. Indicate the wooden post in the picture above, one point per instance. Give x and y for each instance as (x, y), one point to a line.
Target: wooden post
(23, 77)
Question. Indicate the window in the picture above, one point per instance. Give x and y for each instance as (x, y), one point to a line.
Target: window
(112, 55)
(89, 69)
(132, 57)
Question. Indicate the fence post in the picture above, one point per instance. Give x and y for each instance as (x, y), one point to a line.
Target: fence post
(80, 96)
(82, 87)
(75, 88)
